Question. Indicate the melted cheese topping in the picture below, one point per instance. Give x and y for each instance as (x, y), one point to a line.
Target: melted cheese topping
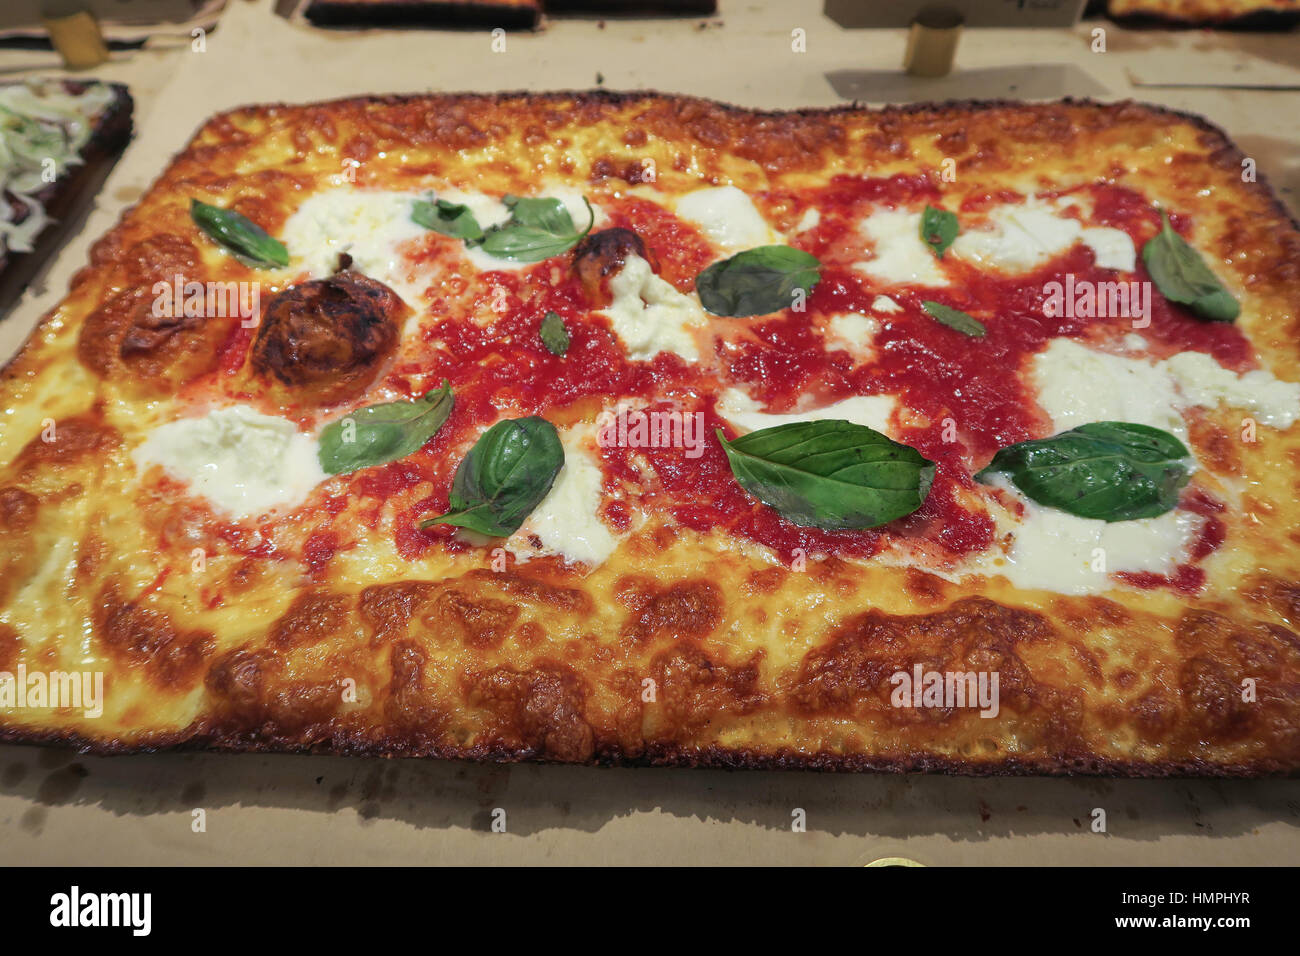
(243, 462)
(1052, 550)
(1111, 248)
(727, 217)
(1060, 552)
(567, 521)
(901, 257)
(372, 226)
(1205, 382)
(650, 316)
(873, 411)
(1077, 385)
(811, 219)
(855, 331)
(1024, 236)
(375, 228)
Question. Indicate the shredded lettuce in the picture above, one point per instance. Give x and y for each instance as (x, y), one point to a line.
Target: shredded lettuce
(43, 129)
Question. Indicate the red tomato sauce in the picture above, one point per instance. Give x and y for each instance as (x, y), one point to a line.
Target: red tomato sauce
(1187, 577)
(961, 398)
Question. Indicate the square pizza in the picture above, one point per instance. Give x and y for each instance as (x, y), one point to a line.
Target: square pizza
(632, 428)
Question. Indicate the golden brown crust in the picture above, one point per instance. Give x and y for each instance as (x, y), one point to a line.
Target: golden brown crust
(682, 650)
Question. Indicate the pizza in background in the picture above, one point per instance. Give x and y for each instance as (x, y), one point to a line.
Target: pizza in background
(1240, 13)
(58, 139)
(635, 428)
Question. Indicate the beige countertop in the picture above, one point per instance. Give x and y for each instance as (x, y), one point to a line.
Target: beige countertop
(57, 807)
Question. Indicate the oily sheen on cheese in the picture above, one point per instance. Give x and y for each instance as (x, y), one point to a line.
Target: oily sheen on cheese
(165, 517)
(1026, 235)
(1077, 385)
(241, 461)
(727, 217)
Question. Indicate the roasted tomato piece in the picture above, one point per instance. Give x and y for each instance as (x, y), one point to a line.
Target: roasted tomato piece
(323, 342)
(602, 254)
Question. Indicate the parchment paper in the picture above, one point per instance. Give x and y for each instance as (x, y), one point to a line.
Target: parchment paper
(56, 807)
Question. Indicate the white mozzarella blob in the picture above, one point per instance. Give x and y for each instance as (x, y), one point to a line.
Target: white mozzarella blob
(1055, 551)
(811, 219)
(1060, 552)
(885, 305)
(650, 316)
(854, 331)
(1203, 381)
(369, 225)
(243, 462)
(373, 227)
(1019, 237)
(727, 217)
(873, 411)
(1023, 236)
(567, 520)
(1077, 385)
(899, 256)
(1112, 248)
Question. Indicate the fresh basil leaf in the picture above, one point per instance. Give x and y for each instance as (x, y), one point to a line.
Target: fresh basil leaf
(537, 229)
(449, 218)
(544, 212)
(239, 235)
(380, 433)
(954, 318)
(938, 229)
(554, 335)
(830, 474)
(1182, 276)
(757, 281)
(504, 477)
(1114, 471)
